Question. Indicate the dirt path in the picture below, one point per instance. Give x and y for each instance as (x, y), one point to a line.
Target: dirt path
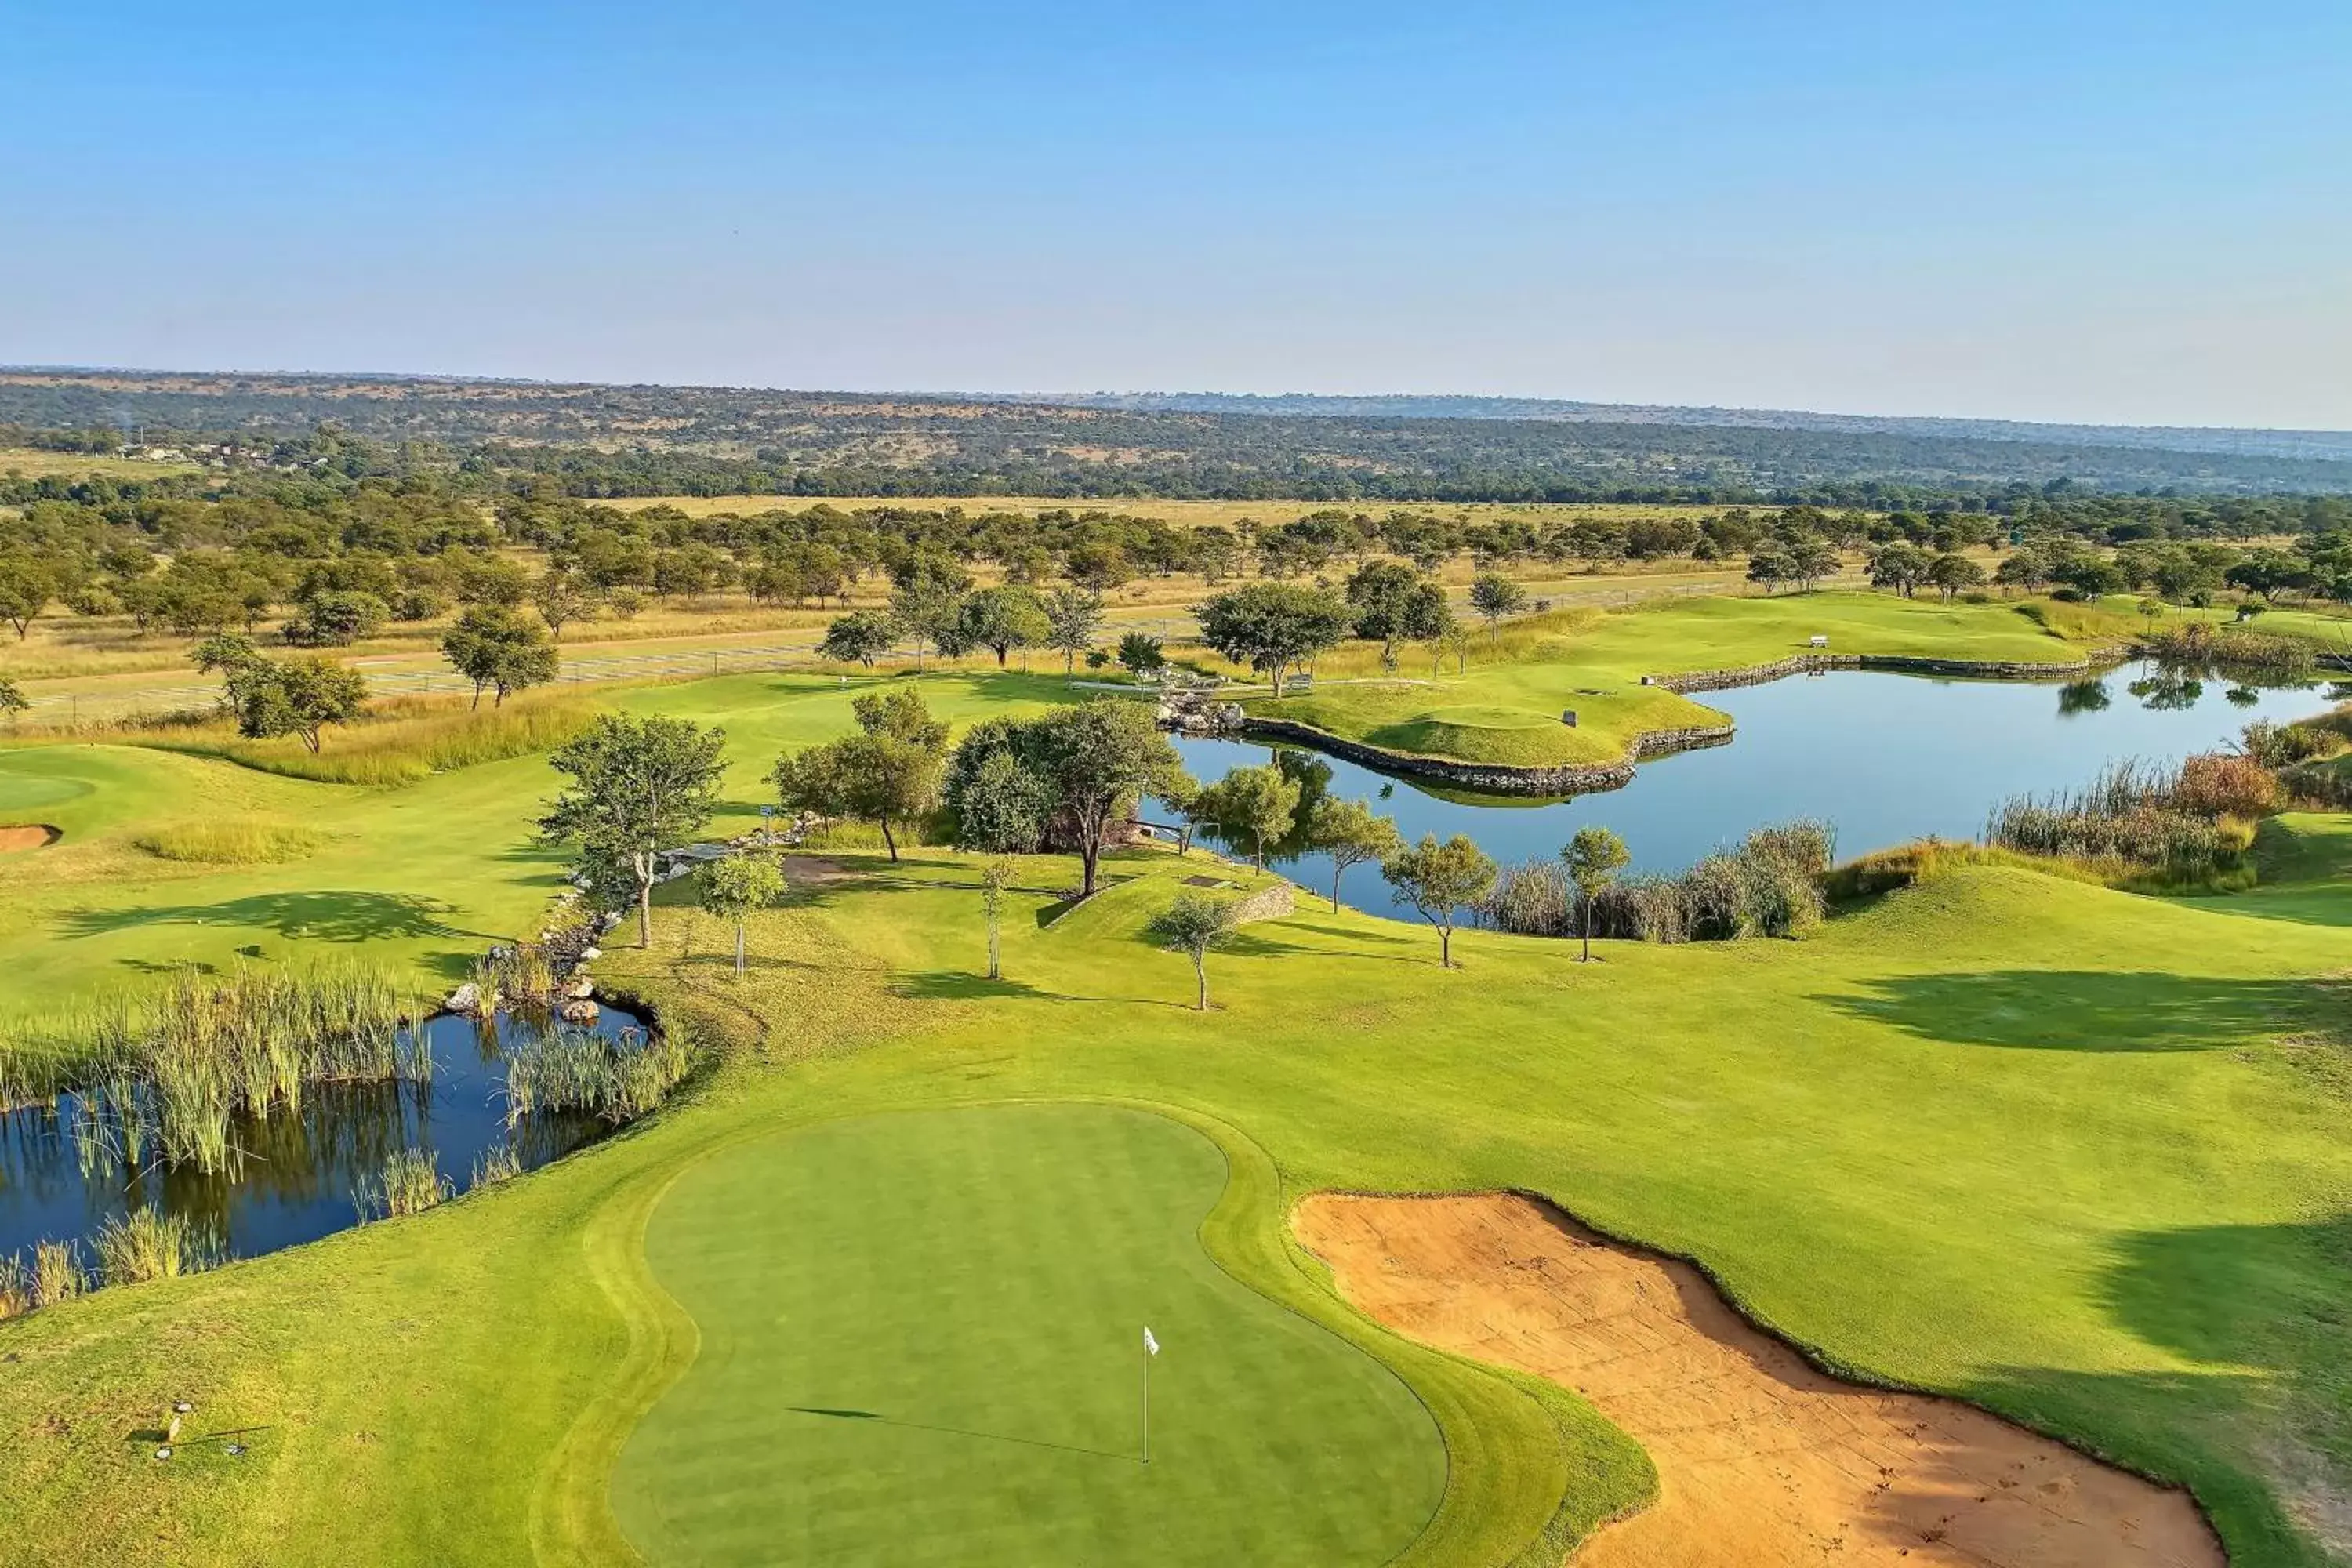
(1761, 1458)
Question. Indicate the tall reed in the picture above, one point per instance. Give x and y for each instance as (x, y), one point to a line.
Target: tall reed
(149, 1245)
(618, 1079)
(1769, 885)
(409, 1183)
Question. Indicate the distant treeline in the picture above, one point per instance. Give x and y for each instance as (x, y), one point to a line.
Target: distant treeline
(596, 442)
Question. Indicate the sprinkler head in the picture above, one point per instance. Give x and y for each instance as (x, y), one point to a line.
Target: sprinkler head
(234, 1449)
(163, 1453)
(183, 1406)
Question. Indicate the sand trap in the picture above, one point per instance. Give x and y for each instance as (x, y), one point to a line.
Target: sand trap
(32, 835)
(1761, 1457)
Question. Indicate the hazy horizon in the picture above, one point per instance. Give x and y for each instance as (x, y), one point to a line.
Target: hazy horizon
(2100, 213)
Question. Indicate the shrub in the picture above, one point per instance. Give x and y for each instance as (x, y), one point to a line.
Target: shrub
(2216, 785)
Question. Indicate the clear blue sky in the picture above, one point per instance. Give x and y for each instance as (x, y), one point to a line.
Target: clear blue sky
(2111, 212)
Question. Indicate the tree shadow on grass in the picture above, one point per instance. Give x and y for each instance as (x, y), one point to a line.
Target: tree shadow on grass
(2267, 1309)
(2078, 1010)
(882, 1420)
(313, 916)
(960, 985)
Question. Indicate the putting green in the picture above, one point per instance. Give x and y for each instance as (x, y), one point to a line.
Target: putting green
(921, 1343)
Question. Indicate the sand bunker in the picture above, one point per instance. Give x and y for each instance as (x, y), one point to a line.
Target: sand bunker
(33, 835)
(1761, 1457)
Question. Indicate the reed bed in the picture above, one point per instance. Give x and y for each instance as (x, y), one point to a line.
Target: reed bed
(500, 1163)
(410, 1182)
(149, 1245)
(54, 1274)
(2200, 643)
(168, 1074)
(617, 1080)
(2186, 822)
(1768, 885)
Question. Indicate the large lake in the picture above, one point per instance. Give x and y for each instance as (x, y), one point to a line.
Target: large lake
(1883, 759)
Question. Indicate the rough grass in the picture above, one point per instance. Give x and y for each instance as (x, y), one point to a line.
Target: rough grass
(228, 843)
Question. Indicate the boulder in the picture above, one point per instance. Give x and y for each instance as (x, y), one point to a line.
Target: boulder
(582, 988)
(580, 1012)
(590, 954)
(466, 998)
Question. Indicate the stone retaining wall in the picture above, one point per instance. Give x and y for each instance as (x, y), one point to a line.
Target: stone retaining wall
(1502, 778)
(1810, 663)
(1266, 904)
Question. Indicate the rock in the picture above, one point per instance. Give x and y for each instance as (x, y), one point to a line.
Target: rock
(580, 1012)
(582, 988)
(590, 954)
(466, 998)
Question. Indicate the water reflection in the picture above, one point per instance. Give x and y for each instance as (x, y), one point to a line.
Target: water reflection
(299, 1172)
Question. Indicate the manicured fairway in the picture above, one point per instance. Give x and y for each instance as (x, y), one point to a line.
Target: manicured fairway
(921, 1343)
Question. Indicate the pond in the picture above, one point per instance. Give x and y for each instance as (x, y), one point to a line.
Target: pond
(1882, 758)
(300, 1174)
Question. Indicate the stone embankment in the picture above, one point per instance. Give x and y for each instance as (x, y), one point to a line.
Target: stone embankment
(1814, 663)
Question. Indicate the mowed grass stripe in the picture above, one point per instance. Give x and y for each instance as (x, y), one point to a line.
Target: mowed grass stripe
(921, 1344)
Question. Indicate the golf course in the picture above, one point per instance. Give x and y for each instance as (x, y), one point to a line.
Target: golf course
(872, 1284)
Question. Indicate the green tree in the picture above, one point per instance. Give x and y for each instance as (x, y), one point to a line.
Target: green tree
(336, 618)
(1274, 626)
(560, 600)
(1951, 574)
(1002, 619)
(1259, 804)
(1142, 653)
(737, 886)
(995, 876)
(13, 700)
(1353, 834)
(1900, 566)
(1394, 603)
(1438, 879)
(1073, 618)
(888, 773)
(493, 646)
(928, 608)
(1810, 561)
(1768, 564)
(1494, 596)
(1000, 806)
(26, 589)
(860, 636)
(1191, 925)
(1595, 857)
(1097, 760)
(638, 786)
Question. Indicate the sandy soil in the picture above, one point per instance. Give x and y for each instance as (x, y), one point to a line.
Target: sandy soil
(31, 836)
(1762, 1458)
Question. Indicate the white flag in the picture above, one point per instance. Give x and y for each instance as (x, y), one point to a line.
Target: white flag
(1150, 1343)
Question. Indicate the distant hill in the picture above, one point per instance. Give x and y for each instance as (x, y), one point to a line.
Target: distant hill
(640, 440)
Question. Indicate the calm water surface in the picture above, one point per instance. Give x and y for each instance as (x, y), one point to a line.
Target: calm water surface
(302, 1171)
(1882, 758)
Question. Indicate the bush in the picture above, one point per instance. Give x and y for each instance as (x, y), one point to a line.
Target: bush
(2215, 785)
(1770, 886)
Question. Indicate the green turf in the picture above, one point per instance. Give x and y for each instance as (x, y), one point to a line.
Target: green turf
(1506, 709)
(2075, 1153)
(921, 1341)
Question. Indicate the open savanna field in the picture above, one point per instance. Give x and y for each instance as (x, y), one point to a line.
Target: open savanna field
(871, 1289)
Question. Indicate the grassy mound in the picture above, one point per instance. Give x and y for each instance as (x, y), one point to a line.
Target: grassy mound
(228, 843)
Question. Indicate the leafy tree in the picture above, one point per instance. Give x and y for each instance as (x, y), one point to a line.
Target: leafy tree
(1258, 804)
(2269, 572)
(492, 580)
(1494, 596)
(1438, 879)
(1810, 561)
(1098, 567)
(13, 700)
(1191, 925)
(1272, 626)
(1595, 857)
(1002, 619)
(995, 876)
(1000, 806)
(861, 636)
(298, 696)
(1768, 564)
(491, 645)
(26, 589)
(1394, 603)
(2091, 577)
(735, 887)
(1353, 834)
(1097, 759)
(1952, 575)
(929, 607)
(638, 786)
(1900, 566)
(560, 600)
(337, 618)
(1140, 653)
(1074, 619)
(888, 771)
